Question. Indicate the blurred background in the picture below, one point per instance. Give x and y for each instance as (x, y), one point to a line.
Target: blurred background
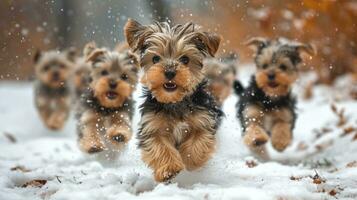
(330, 25)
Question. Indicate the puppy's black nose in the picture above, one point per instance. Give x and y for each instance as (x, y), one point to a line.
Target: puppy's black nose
(113, 84)
(55, 75)
(271, 76)
(170, 74)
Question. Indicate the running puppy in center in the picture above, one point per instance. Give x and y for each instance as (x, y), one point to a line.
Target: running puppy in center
(179, 118)
(266, 108)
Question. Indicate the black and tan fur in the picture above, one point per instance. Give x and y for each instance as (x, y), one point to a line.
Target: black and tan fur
(266, 108)
(221, 73)
(179, 118)
(107, 105)
(52, 91)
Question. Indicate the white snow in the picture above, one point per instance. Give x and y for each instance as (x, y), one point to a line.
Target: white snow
(54, 156)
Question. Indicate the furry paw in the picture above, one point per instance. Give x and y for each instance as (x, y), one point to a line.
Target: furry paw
(281, 136)
(55, 122)
(168, 172)
(255, 136)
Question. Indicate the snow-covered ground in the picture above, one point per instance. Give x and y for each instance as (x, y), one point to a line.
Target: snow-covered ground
(320, 164)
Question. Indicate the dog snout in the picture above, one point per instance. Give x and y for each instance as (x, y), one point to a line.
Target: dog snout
(55, 75)
(271, 76)
(113, 84)
(170, 74)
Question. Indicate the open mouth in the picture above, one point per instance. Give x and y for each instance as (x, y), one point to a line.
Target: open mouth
(55, 79)
(170, 86)
(111, 95)
(273, 84)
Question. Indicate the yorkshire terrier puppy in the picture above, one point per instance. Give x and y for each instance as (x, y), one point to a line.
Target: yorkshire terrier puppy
(179, 118)
(81, 79)
(266, 108)
(221, 75)
(107, 105)
(52, 92)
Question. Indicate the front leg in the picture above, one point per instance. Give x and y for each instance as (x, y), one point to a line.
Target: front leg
(254, 135)
(89, 132)
(43, 108)
(158, 149)
(281, 134)
(59, 114)
(119, 133)
(197, 149)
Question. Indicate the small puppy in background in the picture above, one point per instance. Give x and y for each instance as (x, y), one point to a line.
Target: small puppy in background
(266, 108)
(221, 73)
(179, 119)
(52, 90)
(107, 105)
(81, 79)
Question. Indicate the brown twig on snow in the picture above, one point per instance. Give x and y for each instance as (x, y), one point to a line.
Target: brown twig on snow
(251, 163)
(10, 137)
(340, 114)
(348, 130)
(352, 164)
(35, 183)
(321, 132)
(317, 179)
(20, 168)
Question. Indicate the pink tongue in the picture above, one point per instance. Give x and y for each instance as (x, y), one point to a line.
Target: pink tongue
(111, 95)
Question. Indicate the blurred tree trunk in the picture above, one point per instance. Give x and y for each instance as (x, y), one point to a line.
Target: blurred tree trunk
(64, 12)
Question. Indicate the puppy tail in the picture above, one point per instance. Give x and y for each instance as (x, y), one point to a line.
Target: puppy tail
(238, 87)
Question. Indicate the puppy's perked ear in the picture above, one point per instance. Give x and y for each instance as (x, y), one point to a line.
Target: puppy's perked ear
(89, 48)
(71, 54)
(95, 55)
(257, 43)
(208, 42)
(135, 34)
(306, 48)
(37, 56)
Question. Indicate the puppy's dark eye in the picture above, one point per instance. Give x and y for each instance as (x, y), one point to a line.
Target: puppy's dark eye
(184, 60)
(124, 77)
(265, 66)
(283, 67)
(156, 59)
(104, 72)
